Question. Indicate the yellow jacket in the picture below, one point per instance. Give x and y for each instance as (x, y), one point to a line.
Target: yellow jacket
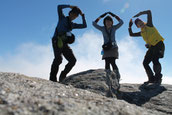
(151, 35)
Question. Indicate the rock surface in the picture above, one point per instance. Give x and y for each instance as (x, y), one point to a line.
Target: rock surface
(22, 95)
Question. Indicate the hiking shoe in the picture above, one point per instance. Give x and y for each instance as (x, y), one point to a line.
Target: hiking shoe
(54, 79)
(62, 77)
(158, 78)
(158, 81)
(149, 81)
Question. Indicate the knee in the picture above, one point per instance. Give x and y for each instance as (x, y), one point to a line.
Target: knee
(73, 61)
(57, 61)
(155, 62)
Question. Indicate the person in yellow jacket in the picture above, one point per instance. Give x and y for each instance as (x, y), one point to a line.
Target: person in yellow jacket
(154, 43)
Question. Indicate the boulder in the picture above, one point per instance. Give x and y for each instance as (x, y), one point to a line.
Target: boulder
(23, 95)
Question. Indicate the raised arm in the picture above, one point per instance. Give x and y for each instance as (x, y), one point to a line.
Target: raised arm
(83, 25)
(149, 17)
(59, 9)
(95, 22)
(120, 20)
(101, 16)
(130, 30)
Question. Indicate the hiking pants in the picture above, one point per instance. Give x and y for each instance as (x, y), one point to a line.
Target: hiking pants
(67, 52)
(153, 55)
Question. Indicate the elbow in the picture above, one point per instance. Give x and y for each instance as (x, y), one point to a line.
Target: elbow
(58, 7)
(122, 22)
(149, 11)
(131, 34)
(85, 26)
(93, 23)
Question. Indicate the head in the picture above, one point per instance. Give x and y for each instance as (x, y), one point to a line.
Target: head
(73, 14)
(108, 22)
(139, 23)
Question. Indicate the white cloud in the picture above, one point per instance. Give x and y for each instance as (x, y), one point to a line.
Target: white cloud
(35, 59)
(130, 62)
(30, 59)
(88, 52)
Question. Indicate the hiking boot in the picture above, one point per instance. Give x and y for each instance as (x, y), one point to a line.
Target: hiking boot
(159, 81)
(109, 94)
(62, 77)
(149, 81)
(158, 78)
(54, 79)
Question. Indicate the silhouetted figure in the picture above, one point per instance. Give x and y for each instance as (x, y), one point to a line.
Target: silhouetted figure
(62, 37)
(154, 43)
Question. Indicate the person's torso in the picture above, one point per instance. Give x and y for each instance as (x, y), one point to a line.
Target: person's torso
(111, 35)
(63, 26)
(151, 35)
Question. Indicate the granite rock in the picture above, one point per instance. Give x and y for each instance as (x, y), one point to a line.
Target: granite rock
(23, 95)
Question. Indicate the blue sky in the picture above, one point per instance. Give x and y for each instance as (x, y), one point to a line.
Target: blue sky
(26, 28)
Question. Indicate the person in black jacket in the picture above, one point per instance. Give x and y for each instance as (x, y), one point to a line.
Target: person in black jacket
(62, 37)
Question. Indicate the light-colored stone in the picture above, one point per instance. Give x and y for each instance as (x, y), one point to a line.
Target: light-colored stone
(22, 95)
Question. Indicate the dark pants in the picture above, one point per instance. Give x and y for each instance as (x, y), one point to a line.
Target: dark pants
(110, 61)
(66, 51)
(153, 55)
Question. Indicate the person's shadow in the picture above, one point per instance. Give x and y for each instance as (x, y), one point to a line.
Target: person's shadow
(144, 95)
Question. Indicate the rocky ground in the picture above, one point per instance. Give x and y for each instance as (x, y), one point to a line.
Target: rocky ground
(85, 94)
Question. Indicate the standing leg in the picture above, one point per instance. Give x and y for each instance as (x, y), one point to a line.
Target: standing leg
(158, 53)
(157, 69)
(107, 63)
(146, 62)
(68, 54)
(108, 77)
(113, 63)
(56, 62)
(115, 68)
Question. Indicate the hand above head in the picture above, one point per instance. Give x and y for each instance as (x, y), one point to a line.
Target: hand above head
(137, 15)
(130, 23)
(110, 13)
(103, 15)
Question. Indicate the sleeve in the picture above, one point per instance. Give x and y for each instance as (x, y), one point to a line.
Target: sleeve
(134, 34)
(59, 9)
(119, 24)
(97, 26)
(149, 19)
(83, 25)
